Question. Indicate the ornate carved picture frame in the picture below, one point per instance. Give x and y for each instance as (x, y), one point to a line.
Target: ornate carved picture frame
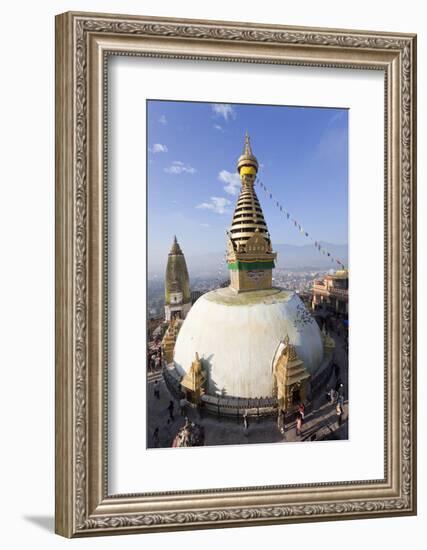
(84, 43)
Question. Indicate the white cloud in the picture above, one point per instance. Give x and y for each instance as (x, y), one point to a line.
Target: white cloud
(159, 148)
(333, 144)
(163, 120)
(178, 167)
(219, 205)
(218, 127)
(224, 110)
(232, 181)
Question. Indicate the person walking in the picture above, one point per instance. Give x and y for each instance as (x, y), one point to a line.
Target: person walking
(301, 410)
(156, 389)
(281, 421)
(170, 409)
(339, 411)
(245, 422)
(298, 425)
(332, 394)
(340, 408)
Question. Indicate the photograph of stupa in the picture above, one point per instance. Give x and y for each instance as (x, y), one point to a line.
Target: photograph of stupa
(244, 358)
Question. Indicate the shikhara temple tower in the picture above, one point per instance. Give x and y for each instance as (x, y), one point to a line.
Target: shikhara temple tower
(177, 285)
(249, 254)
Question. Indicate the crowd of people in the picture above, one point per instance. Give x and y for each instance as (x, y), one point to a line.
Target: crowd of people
(154, 355)
(190, 435)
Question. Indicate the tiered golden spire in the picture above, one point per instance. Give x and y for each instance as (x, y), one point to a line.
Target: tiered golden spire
(248, 217)
(249, 245)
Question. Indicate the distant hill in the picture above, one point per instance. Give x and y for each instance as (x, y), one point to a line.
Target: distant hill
(292, 256)
(288, 256)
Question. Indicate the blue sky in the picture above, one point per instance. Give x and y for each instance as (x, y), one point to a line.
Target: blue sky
(192, 180)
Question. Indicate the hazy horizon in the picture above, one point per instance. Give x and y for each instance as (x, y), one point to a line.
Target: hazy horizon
(213, 259)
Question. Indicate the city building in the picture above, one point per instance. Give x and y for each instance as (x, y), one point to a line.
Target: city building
(332, 292)
(195, 295)
(250, 341)
(177, 285)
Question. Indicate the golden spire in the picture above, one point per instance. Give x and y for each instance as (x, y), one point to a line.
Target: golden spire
(248, 217)
(249, 254)
(247, 145)
(247, 158)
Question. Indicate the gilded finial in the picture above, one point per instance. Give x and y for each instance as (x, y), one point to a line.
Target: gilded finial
(196, 365)
(289, 351)
(247, 145)
(175, 249)
(247, 158)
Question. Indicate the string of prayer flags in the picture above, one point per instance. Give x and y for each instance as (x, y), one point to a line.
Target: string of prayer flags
(317, 245)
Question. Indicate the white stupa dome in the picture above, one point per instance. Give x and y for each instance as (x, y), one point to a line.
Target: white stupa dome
(237, 335)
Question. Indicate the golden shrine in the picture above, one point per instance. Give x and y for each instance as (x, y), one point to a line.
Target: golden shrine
(193, 382)
(169, 339)
(291, 377)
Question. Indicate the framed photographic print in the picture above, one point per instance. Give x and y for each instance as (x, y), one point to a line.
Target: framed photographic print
(235, 274)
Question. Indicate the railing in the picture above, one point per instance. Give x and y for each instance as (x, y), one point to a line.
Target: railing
(236, 407)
